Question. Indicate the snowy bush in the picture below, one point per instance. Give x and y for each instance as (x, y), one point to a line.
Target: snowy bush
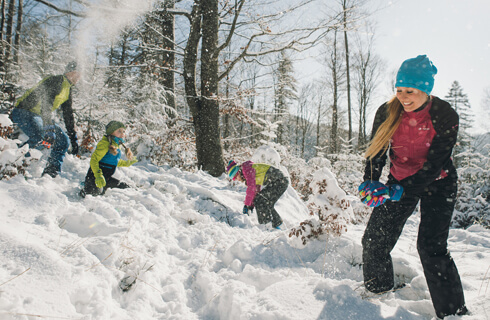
(329, 205)
(349, 169)
(12, 158)
(473, 205)
(174, 145)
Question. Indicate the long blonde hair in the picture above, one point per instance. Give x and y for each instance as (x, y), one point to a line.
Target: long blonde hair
(381, 140)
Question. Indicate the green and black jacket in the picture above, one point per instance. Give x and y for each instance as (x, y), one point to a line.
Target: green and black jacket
(49, 94)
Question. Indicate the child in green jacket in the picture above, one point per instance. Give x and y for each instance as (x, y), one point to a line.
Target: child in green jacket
(104, 161)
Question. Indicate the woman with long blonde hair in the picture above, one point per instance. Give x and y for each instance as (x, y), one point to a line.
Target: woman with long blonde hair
(418, 132)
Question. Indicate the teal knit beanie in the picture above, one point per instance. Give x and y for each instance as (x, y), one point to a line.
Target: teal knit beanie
(417, 73)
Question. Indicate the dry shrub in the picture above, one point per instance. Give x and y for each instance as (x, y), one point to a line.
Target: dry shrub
(19, 166)
(329, 206)
(175, 146)
(88, 140)
(5, 132)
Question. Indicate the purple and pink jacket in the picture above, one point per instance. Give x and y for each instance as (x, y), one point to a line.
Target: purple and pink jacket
(421, 147)
(255, 177)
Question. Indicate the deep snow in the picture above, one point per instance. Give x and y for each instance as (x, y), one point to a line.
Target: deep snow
(195, 256)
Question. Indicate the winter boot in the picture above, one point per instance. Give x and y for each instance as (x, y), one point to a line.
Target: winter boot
(51, 171)
(279, 227)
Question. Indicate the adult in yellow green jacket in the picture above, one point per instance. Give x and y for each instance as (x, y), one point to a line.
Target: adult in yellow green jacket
(33, 114)
(104, 161)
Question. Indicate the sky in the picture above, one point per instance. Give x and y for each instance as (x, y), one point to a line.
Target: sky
(453, 33)
(180, 239)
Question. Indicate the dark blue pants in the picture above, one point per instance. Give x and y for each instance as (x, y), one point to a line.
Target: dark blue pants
(275, 185)
(33, 127)
(107, 170)
(384, 229)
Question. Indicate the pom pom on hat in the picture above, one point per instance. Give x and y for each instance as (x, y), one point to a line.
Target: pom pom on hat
(232, 169)
(417, 73)
(113, 126)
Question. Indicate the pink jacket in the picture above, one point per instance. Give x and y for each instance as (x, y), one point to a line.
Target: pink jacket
(254, 175)
(411, 143)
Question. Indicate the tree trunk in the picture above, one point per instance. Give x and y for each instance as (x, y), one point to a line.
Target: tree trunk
(9, 32)
(204, 108)
(206, 120)
(168, 30)
(227, 118)
(2, 44)
(318, 118)
(347, 69)
(190, 59)
(335, 113)
(18, 30)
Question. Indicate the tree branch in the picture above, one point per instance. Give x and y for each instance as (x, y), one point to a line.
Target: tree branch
(73, 13)
(232, 29)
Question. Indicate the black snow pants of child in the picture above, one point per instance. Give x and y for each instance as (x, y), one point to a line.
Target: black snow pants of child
(274, 186)
(384, 228)
(107, 170)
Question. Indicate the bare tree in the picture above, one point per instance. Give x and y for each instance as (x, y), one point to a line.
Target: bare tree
(308, 98)
(18, 30)
(258, 39)
(335, 64)
(2, 44)
(159, 47)
(9, 32)
(367, 66)
(345, 9)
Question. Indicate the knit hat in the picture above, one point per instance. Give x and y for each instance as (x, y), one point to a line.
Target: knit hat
(71, 66)
(232, 169)
(417, 73)
(113, 126)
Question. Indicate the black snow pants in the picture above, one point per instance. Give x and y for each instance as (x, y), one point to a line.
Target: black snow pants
(274, 186)
(384, 228)
(107, 171)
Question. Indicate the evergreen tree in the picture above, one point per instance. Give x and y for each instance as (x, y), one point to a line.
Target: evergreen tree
(459, 101)
(285, 93)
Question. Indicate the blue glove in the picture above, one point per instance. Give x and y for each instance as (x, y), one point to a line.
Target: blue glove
(373, 193)
(396, 192)
(246, 209)
(47, 141)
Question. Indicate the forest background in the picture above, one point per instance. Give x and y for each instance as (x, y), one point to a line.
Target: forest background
(201, 82)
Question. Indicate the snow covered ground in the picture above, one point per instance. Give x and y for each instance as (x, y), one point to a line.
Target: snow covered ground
(194, 256)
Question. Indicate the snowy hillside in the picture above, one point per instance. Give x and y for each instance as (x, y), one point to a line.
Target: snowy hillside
(194, 256)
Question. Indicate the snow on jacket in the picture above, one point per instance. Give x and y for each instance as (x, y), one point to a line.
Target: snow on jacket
(48, 95)
(102, 156)
(420, 149)
(255, 177)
